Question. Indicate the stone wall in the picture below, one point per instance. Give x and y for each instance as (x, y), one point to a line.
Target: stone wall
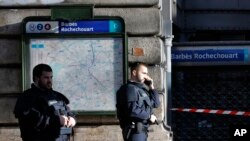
(142, 19)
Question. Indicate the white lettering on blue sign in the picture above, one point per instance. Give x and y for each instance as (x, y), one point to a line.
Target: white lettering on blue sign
(86, 26)
(68, 24)
(209, 55)
(77, 29)
(182, 56)
(100, 26)
(216, 56)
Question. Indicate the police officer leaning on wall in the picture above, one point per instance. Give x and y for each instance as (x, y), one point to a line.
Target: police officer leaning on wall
(135, 103)
(42, 113)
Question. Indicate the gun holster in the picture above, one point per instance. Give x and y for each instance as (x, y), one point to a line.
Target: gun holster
(137, 128)
(140, 127)
(129, 130)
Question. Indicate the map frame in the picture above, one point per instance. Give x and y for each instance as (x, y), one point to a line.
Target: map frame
(27, 37)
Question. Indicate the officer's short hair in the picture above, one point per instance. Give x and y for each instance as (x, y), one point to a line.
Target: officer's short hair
(136, 65)
(38, 70)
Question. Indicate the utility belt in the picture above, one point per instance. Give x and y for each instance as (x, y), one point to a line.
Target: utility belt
(139, 127)
(135, 128)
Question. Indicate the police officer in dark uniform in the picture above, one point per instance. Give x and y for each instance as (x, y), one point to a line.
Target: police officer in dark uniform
(135, 102)
(42, 113)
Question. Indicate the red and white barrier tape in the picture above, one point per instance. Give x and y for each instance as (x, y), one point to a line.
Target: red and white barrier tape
(210, 111)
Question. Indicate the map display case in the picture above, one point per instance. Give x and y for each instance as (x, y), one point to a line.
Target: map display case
(88, 58)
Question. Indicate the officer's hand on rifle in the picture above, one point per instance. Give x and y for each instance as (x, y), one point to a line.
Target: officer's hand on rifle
(71, 122)
(63, 120)
(152, 118)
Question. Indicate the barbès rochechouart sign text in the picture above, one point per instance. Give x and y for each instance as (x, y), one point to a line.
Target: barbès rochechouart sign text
(210, 56)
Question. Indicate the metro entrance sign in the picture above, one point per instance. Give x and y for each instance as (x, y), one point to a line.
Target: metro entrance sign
(82, 26)
(211, 55)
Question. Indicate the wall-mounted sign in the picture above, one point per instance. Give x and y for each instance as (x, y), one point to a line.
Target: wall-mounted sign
(231, 55)
(86, 26)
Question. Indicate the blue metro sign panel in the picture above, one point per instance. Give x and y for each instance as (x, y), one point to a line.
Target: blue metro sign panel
(210, 56)
(84, 26)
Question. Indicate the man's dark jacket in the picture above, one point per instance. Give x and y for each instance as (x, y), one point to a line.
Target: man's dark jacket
(135, 103)
(37, 117)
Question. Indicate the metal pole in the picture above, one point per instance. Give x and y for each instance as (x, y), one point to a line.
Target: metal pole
(167, 121)
(167, 65)
(168, 97)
